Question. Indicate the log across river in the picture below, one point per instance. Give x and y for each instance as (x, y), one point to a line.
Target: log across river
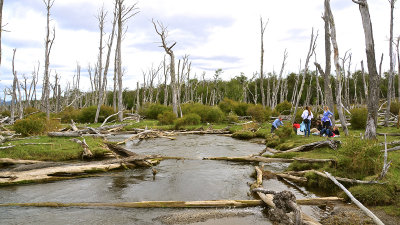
(192, 179)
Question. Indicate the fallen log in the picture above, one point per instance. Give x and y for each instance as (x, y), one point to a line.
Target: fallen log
(205, 132)
(64, 134)
(392, 149)
(17, 161)
(73, 126)
(388, 134)
(105, 121)
(86, 151)
(333, 144)
(347, 180)
(120, 150)
(250, 159)
(44, 174)
(353, 199)
(7, 147)
(147, 204)
(268, 199)
(391, 143)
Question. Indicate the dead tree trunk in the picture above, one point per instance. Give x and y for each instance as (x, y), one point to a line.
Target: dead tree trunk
(14, 86)
(327, 74)
(102, 75)
(263, 26)
(398, 67)
(309, 54)
(391, 71)
(1, 23)
(48, 45)
(163, 32)
(374, 79)
(337, 67)
(279, 83)
(165, 67)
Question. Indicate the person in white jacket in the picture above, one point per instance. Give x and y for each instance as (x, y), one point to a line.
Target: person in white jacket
(307, 116)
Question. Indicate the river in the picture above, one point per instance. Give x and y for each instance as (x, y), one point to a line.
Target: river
(179, 180)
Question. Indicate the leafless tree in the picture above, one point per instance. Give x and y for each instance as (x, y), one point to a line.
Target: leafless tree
(163, 33)
(374, 79)
(48, 45)
(327, 73)
(337, 67)
(14, 86)
(391, 70)
(1, 23)
(137, 97)
(309, 54)
(124, 13)
(275, 90)
(165, 69)
(102, 75)
(263, 26)
(398, 66)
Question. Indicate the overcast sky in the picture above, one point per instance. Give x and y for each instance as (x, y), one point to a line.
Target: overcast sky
(215, 34)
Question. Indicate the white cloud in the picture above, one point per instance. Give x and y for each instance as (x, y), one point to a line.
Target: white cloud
(218, 34)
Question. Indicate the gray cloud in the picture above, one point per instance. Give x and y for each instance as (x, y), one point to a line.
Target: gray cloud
(21, 43)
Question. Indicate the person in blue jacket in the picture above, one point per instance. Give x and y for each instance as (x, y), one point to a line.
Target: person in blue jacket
(277, 123)
(326, 120)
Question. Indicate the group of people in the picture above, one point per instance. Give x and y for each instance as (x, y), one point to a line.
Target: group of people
(324, 126)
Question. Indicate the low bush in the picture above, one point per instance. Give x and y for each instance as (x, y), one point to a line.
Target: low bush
(241, 109)
(372, 194)
(359, 158)
(213, 115)
(30, 110)
(88, 114)
(262, 133)
(232, 118)
(6, 113)
(189, 119)
(284, 108)
(285, 146)
(395, 107)
(359, 118)
(166, 118)
(285, 131)
(272, 140)
(227, 105)
(69, 113)
(243, 134)
(30, 126)
(258, 113)
(298, 118)
(151, 111)
(275, 113)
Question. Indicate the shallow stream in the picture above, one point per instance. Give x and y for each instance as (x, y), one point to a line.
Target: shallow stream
(176, 180)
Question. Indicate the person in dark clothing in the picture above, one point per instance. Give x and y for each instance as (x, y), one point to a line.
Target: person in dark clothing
(336, 131)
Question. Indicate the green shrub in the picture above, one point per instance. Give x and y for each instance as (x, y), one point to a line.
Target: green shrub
(30, 110)
(88, 114)
(6, 113)
(299, 166)
(372, 194)
(359, 158)
(151, 111)
(189, 119)
(166, 118)
(359, 118)
(285, 146)
(241, 109)
(284, 108)
(243, 134)
(298, 118)
(258, 113)
(272, 140)
(227, 105)
(213, 115)
(69, 113)
(275, 113)
(232, 118)
(262, 133)
(285, 131)
(196, 108)
(395, 107)
(30, 126)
